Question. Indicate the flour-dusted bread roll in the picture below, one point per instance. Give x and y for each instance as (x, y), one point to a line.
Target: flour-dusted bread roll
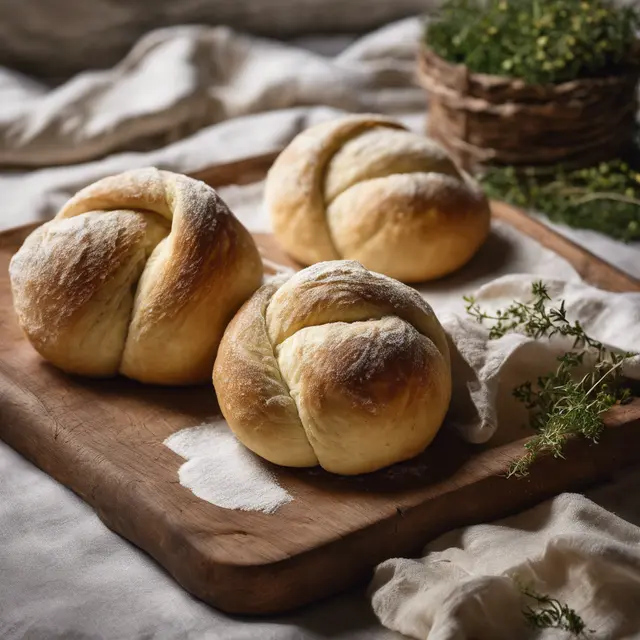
(336, 366)
(138, 274)
(365, 188)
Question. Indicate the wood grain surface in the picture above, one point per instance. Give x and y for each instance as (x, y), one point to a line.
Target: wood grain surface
(103, 440)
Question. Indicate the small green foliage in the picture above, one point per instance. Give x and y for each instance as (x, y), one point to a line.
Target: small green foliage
(550, 613)
(540, 41)
(561, 404)
(604, 198)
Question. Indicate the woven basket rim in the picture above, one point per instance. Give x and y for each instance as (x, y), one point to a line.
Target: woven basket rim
(624, 71)
(486, 119)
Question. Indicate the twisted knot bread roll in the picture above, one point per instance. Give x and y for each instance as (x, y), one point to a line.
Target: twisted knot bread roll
(364, 188)
(139, 274)
(337, 366)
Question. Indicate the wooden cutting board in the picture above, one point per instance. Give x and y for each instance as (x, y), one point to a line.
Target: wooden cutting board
(103, 439)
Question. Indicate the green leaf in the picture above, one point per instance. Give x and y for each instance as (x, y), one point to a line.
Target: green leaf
(561, 404)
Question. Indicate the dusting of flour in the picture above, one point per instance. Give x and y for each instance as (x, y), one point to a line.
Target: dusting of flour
(223, 472)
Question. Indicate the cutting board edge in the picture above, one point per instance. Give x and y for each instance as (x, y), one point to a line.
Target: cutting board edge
(410, 529)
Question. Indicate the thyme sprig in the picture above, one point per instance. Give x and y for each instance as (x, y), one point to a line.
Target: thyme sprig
(550, 613)
(561, 404)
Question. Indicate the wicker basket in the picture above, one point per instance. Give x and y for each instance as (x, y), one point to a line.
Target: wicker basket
(492, 120)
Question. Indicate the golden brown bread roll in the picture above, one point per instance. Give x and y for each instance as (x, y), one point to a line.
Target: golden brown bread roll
(139, 273)
(336, 366)
(365, 188)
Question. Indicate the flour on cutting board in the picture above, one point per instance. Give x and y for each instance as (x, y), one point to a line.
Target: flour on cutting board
(223, 472)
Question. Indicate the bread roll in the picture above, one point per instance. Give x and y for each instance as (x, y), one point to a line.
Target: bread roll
(364, 188)
(336, 366)
(138, 274)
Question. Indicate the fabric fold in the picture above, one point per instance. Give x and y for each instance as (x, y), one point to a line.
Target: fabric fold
(178, 80)
(472, 582)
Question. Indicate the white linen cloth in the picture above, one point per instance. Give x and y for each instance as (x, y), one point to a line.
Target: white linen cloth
(62, 573)
(182, 79)
(468, 584)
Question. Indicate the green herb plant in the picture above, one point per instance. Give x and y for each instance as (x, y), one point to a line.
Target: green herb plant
(562, 404)
(550, 613)
(539, 41)
(604, 198)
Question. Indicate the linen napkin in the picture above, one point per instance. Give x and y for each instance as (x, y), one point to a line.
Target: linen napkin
(469, 584)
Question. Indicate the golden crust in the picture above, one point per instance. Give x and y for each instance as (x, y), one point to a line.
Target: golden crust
(251, 392)
(412, 226)
(364, 188)
(293, 189)
(139, 273)
(344, 291)
(336, 365)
